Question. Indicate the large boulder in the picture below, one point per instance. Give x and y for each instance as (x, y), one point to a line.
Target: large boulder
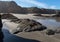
(27, 25)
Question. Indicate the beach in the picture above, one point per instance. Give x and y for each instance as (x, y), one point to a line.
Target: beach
(36, 36)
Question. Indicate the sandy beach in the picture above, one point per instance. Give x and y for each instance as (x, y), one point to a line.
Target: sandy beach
(24, 16)
(40, 36)
(29, 21)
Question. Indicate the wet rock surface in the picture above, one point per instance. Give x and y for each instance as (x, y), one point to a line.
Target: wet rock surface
(28, 25)
(50, 32)
(53, 32)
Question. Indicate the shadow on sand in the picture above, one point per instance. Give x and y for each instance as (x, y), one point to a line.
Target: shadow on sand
(8, 37)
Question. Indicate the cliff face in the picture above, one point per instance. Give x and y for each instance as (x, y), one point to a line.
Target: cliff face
(12, 7)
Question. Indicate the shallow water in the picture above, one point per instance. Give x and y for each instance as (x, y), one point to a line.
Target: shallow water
(49, 22)
(8, 37)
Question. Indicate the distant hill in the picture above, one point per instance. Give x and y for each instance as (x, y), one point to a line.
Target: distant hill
(12, 7)
(40, 10)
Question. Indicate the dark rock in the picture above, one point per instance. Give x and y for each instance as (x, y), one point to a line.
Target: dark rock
(50, 32)
(1, 33)
(0, 23)
(8, 16)
(28, 25)
(16, 20)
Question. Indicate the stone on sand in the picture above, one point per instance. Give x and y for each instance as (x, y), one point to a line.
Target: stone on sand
(28, 25)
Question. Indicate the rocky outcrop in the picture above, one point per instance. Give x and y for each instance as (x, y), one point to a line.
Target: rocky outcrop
(50, 32)
(27, 25)
(10, 7)
(8, 16)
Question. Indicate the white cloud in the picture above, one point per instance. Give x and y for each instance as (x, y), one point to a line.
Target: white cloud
(38, 4)
(5, 0)
(34, 3)
(53, 7)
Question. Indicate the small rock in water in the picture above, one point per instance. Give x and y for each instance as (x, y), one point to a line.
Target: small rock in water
(50, 32)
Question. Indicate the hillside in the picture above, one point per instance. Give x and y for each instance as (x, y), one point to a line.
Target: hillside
(12, 7)
(40, 10)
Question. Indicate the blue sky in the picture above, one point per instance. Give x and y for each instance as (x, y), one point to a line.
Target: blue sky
(49, 4)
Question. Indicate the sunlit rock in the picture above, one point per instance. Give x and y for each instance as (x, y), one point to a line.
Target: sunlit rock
(27, 25)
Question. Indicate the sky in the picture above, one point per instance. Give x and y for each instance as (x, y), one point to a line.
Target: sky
(49, 4)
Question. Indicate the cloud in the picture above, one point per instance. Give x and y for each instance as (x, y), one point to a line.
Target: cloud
(5, 0)
(53, 7)
(38, 4)
(29, 3)
(34, 2)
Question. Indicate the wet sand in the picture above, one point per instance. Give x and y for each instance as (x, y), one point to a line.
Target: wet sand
(37, 36)
(8, 37)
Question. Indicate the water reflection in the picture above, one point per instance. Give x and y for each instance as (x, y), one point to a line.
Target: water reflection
(48, 22)
(51, 23)
(8, 37)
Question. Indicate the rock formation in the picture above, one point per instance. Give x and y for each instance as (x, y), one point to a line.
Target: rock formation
(50, 32)
(27, 25)
(8, 16)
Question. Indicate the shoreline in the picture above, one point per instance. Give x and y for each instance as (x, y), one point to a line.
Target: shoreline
(38, 35)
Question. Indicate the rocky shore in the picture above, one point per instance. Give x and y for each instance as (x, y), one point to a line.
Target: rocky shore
(36, 32)
(28, 25)
(30, 29)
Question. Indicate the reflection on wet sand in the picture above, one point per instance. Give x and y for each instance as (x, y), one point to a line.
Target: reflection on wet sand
(50, 22)
(8, 37)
